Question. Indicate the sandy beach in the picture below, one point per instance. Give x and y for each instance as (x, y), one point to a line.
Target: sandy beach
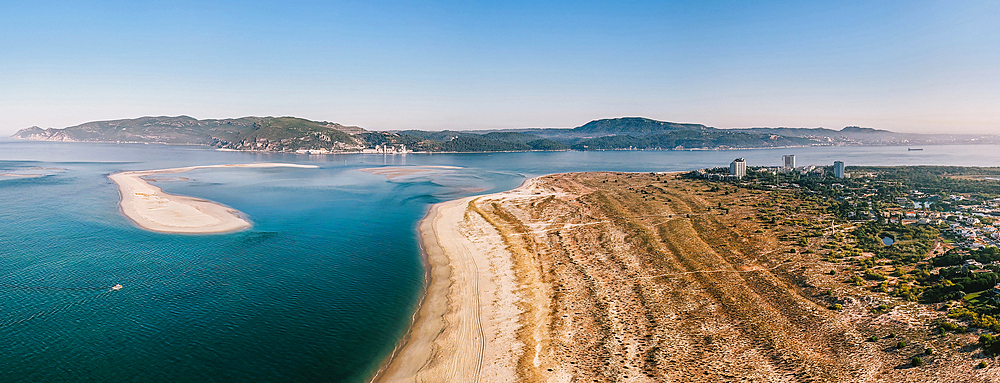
(152, 209)
(468, 326)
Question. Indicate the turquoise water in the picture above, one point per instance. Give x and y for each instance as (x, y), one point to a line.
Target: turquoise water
(321, 287)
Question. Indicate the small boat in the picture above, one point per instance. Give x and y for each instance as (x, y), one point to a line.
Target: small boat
(116, 287)
(914, 149)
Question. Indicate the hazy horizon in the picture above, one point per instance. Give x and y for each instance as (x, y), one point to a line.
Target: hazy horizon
(539, 127)
(913, 67)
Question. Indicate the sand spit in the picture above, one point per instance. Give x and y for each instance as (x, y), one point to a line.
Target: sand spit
(152, 209)
(619, 277)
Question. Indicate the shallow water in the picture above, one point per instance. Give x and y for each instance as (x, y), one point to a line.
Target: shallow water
(319, 289)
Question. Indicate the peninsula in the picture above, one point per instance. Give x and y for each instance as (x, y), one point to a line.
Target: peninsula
(627, 277)
(151, 208)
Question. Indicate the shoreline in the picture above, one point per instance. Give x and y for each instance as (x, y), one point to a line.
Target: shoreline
(428, 316)
(150, 208)
(514, 151)
(467, 324)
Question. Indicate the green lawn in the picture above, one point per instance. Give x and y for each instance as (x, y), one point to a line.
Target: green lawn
(974, 297)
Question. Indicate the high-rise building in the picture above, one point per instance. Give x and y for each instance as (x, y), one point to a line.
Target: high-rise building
(738, 168)
(838, 169)
(789, 160)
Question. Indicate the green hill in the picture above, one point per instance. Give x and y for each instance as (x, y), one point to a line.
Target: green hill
(247, 133)
(691, 139)
(291, 134)
(636, 126)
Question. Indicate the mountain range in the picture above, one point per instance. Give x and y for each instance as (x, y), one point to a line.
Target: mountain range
(291, 134)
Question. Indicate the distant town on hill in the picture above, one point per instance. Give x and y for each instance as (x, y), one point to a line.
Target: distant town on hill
(291, 134)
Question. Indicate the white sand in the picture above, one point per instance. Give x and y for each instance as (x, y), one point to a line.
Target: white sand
(152, 209)
(392, 172)
(466, 327)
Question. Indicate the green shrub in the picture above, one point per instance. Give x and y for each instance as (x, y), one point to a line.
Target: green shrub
(916, 361)
(874, 275)
(856, 280)
(982, 364)
(900, 344)
(990, 343)
(948, 326)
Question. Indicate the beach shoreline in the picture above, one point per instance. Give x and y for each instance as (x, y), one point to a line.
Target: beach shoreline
(150, 208)
(466, 325)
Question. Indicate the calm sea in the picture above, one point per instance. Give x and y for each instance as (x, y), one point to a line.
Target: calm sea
(321, 287)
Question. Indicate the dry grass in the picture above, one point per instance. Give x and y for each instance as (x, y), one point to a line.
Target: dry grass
(649, 278)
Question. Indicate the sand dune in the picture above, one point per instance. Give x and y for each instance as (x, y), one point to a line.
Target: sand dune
(628, 277)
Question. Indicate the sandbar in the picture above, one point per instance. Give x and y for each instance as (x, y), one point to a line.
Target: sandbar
(153, 209)
(392, 172)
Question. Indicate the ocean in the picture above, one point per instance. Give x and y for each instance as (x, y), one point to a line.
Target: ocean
(320, 289)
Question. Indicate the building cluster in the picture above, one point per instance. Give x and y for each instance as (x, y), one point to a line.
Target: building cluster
(964, 221)
(387, 149)
(378, 149)
(738, 168)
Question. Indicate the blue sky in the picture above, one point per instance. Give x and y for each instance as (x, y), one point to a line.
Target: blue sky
(915, 66)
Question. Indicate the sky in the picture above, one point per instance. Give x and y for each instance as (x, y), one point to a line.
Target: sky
(907, 66)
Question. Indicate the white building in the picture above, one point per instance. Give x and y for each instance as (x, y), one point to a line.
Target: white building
(838, 169)
(789, 160)
(738, 168)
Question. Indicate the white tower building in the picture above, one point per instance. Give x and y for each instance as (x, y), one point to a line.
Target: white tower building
(789, 160)
(738, 168)
(838, 169)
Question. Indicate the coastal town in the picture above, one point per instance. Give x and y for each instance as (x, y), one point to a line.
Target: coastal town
(966, 219)
(896, 236)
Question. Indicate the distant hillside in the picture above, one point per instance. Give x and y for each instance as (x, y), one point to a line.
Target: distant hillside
(291, 134)
(692, 139)
(635, 126)
(247, 133)
(858, 136)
